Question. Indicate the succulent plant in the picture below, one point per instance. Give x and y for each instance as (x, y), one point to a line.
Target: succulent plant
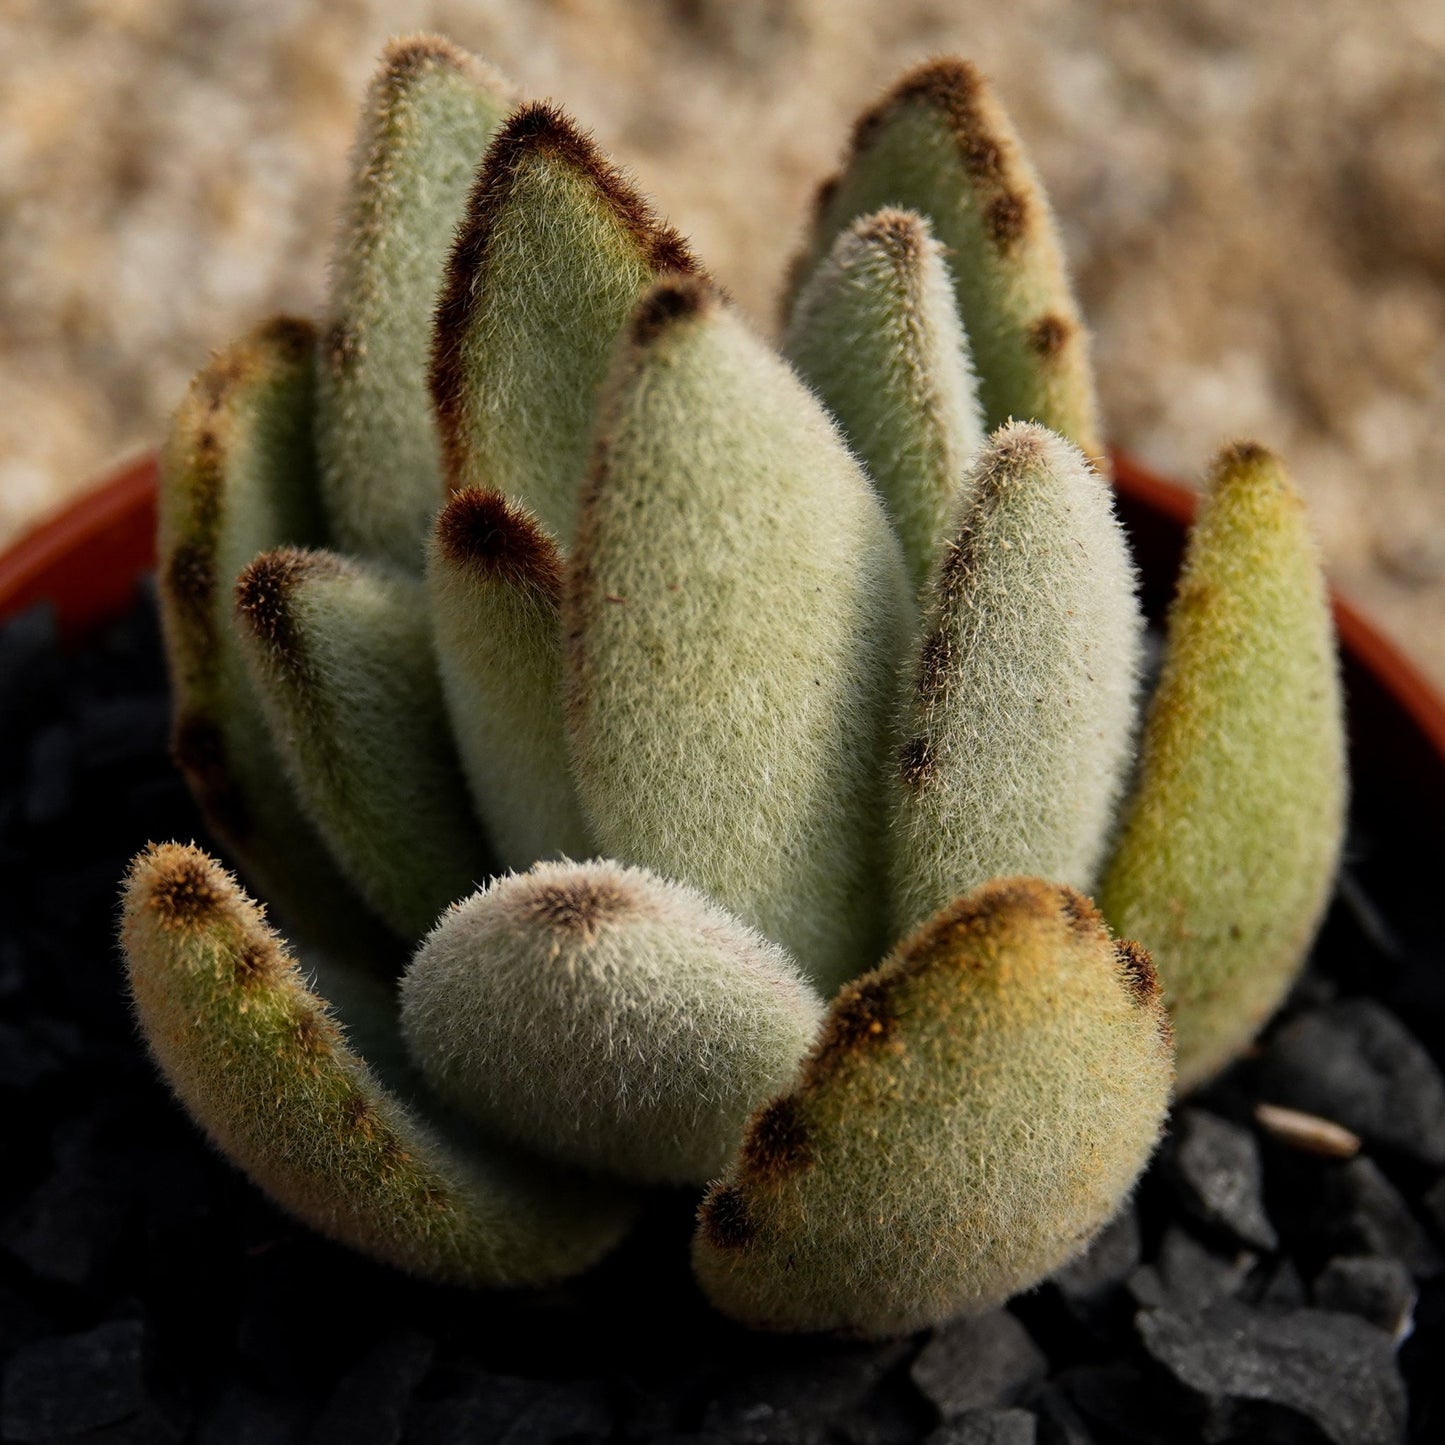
(791, 707)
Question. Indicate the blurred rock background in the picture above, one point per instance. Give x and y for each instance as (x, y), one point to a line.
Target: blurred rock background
(1252, 192)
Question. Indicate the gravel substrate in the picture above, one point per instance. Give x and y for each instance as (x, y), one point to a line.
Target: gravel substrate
(1270, 1282)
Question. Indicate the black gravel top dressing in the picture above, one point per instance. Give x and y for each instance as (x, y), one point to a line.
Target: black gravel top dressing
(1254, 1291)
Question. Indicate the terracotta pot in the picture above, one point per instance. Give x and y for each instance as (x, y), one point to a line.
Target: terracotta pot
(87, 558)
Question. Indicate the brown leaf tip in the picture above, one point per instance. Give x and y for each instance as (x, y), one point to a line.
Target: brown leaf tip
(406, 56)
(989, 908)
(542, 129)
(950, 85)
(578, 904)
(901, 235)
(533, 130)
(484, 532)
(1049, 334)
(539, 129)
(291, 338)
(676, 299)
(778, 1141)
(724, 1218)
(1015, 446)
(187, 890)
(265, 591)
(1243, 454)
(1137, 969)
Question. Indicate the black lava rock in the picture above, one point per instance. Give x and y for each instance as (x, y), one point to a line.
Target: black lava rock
(1378, 1290)
(1059, 1423)
(576, 1411)
(1088, 1283)
(1356, 1210)
(1333, 1370)
(1433, 1204)
(113, 1208)
(244, 1415)
(368, 1405)
(472, 1405)
(804, 1389)
(1121, 1401)
(989, 1427)
(1353, 1061)
(1188, 1275)
(63, 1387)
(978, 1363)
(1216, 1167)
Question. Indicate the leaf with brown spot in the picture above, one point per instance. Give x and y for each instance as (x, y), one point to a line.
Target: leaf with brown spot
(1021, 1092)
(341, 658)
(429, 115)
(257, 1061)
(238, 477)
(555, 249)
(494, 582)
(940, 144)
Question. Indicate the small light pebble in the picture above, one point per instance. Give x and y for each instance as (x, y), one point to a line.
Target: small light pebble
(1307, 1132)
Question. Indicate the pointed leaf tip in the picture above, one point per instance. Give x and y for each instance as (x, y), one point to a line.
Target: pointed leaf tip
(541, 130)
(674, 299)
(672, 1020)
(1228, 846)
(952, 85)
(265, 590)
(404, 57)
(263, 1065)
(494, 578)
(555, 247)
(1018, 710)
(876, 333)
(483, 531)
(939, 143)
(536, 131)
(429, 114)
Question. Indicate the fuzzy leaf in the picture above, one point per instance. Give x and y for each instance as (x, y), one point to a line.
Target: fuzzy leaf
(429, 116)
(263, 1067)
(876, 333)
(1233, 832)
(1018, 712)
(553, 254)
(607, 1018)
(940, 144)
(973, 1112)
(733, 614)
(238, 476)
(495, 580)
(341, 656)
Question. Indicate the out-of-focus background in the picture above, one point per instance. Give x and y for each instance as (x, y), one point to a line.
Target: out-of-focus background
(1252, 193)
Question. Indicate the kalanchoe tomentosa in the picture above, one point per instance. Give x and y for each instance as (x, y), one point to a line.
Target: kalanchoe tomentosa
(533, 553)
